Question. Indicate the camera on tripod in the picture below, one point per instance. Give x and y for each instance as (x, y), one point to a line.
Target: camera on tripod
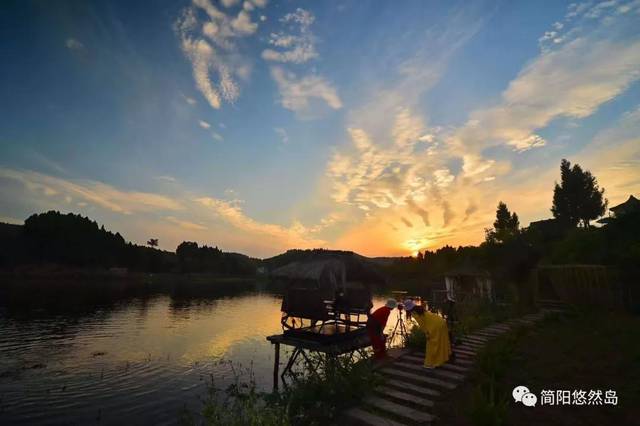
(401, 329)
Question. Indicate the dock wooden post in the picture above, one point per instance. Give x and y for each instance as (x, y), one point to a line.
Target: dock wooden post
(276, 366)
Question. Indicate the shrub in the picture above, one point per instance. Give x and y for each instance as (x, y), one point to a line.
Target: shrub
(490, 399)
(417, 339)
(314, 398)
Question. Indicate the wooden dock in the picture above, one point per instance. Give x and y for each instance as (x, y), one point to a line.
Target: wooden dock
(410, 391)
(355, 340)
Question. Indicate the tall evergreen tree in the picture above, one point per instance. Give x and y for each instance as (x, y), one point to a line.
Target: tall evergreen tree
(578, 198)
(505, 226)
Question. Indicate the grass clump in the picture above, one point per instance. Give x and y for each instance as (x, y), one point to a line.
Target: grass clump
(313, 398)
(416, 339)
(490, 396)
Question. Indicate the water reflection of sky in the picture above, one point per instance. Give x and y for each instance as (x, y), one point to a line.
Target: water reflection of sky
(142, 359)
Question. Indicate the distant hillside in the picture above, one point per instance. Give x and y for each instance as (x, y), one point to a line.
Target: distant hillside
(386, 261)
(9, 230)
(298, 255)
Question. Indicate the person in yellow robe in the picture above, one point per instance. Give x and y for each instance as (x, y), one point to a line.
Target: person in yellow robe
(435, 327)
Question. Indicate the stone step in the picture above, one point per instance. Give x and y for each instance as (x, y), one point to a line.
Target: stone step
(416, 389)
(533, 318)
(493, 331)
(403, 397)
(413, 358)
(522, 321)
(447, 374)
(462, 355)
(358, 416)
(551, 302)
(475, 349)
(498, 328)
(417, 379)
(455, 368)
(463, 359)
(476, 339)
(399, 411)
(465, 362)
(472, 343)
(488, 334)
(468, 348)
(420, 369)
(448, 366)
(462, 351)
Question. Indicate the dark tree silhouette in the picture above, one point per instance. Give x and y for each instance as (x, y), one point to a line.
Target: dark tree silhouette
(192, 258)
(505, 226)
(153, 242)
(577, 199)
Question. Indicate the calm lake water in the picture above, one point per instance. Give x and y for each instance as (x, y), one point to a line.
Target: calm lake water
(137, 361)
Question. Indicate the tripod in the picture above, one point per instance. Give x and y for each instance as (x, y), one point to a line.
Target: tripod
(400, 329)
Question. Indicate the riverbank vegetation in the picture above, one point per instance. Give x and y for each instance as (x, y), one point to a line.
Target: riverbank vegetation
(578, 350)
(311, 398)
(75, 243)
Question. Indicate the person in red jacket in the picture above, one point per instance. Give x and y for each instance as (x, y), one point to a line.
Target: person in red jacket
(376, 322)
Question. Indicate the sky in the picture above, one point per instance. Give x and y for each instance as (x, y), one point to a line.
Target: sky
(383, 127)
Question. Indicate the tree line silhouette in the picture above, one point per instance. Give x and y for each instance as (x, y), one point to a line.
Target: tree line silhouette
(76, 241)
(508, 251)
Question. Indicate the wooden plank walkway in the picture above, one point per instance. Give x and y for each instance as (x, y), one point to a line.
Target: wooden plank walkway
(410, 391)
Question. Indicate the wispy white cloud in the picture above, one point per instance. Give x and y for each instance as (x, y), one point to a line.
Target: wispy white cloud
(572, 79)
(297, 94)
(297, 47)
(210, 44)
(204, 124)
(74, 44)
(185, 224)
(294, 236)
(282, 133)
(217, 136)
(151, 213)
(92, 192)
(229, 3)
(470, 210)
(189, 100)
(420, 211)
(407, 222)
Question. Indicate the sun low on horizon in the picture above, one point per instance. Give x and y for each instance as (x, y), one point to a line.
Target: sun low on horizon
(386, 128)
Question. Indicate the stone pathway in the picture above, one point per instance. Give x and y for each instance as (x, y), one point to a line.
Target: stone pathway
(410, 391)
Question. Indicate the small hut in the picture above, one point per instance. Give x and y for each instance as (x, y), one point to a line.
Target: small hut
(325, 304)
(326, 290)
(631, 206)
(468, 281)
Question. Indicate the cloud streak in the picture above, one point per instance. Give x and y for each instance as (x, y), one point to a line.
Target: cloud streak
(210, 43)
(297, 94)
(590, 65)
(93, 192)
(295, 236)
(74, 44)
(298, 47)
